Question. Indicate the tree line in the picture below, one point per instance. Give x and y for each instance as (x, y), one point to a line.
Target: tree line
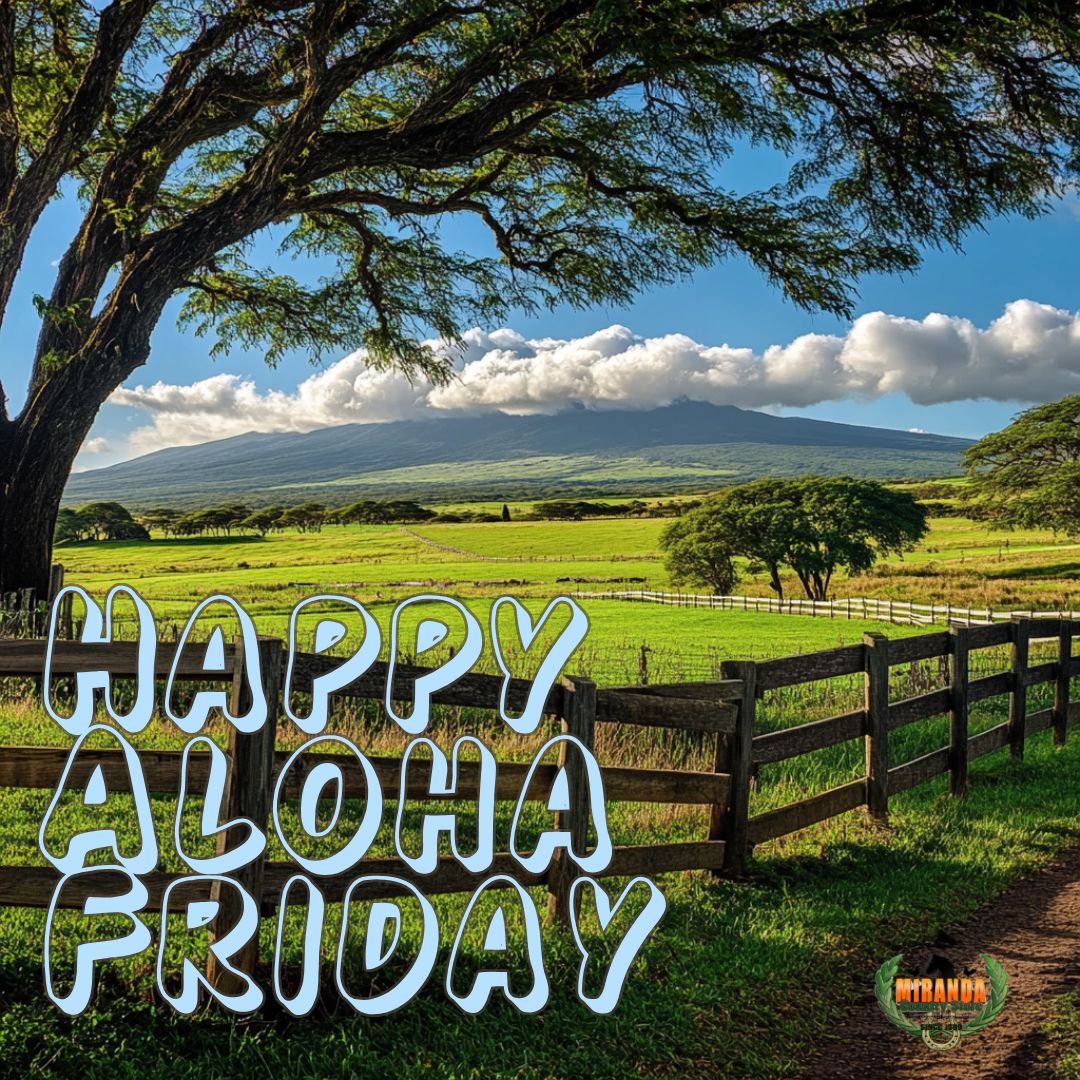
(113, 521)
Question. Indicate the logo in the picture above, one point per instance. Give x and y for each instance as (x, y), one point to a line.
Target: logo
(941, 1005)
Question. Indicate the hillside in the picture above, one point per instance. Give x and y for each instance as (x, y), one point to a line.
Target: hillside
(681, 447)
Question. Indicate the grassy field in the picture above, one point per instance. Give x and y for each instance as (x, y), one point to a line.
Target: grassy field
(959, 562)
(731, 983)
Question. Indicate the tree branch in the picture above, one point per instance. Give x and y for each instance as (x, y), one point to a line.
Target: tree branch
(118, 26)
(9, 124)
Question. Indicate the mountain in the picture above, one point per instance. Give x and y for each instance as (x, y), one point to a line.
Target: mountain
(686, 446)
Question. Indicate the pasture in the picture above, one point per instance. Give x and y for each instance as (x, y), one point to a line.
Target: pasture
(959, 562)
(730, 984)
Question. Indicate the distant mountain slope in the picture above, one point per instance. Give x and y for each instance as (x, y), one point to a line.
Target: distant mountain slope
(679, 447)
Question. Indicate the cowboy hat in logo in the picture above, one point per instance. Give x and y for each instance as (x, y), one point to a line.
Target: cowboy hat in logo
(938, 1003)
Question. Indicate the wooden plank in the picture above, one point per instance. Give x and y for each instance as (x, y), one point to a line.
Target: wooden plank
(472, 689)
(1038, 721)
(450, 877)
(920, 707)
(1041, 673)
(986, 742)
(742, 755)
(877, 725)
(983, 637)
(800, 815)
(1061, 683)
(33, 886)
(119, 657)
(989, 685)
(918, 771)
(790, 670)
(653, 710)
(791, 742)
(717, 690)
(42, 767)
(665, 858)
(1045, 627)
(922, 647)
(1018, 695)
(958, 712)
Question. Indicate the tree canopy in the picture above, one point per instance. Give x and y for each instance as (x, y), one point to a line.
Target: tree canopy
(810, 525)
(1028, 474)
(98, 521)
(585, 141)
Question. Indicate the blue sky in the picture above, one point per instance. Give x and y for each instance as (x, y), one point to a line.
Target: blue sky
(1012, 259)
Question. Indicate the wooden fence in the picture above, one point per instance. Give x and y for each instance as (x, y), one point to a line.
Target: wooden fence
(724, 709)
(24, 613)
(256, 762)
(899, 612)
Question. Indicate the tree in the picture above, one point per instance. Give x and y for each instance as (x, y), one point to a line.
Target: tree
(160, 517)
(505, 515)
(71, 526)
(261, 521)
(587, 138)
(1028, 474)
(308, 517)
(104, 521)
(849, 524)
(811, 525)
(699, 552)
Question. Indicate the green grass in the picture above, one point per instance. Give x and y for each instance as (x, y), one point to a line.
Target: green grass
(729, 985)
(381, 565)
(1062, 1031)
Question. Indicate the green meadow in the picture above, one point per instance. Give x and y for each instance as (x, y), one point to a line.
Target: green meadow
(730, 983)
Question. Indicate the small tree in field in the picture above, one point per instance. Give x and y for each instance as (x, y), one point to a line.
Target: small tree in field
(811, 525)
(698, 552)
(587, 138)
(1028, 474)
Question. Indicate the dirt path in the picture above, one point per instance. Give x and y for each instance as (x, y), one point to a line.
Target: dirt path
(1033, 929)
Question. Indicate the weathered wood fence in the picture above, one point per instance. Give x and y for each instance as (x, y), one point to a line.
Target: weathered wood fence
(899, 612)
(24, 613)
(724, 709)
(256, 762)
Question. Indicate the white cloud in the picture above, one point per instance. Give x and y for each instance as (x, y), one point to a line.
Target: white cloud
(1031, 352)
(917, 430)
(95, 446)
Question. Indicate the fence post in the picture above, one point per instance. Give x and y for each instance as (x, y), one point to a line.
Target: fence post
(958, 711)
(579, 720)
(247, 795)
(56, 583)
(1061, 684)
(877, 726)
(740, 766)
(1021, 637)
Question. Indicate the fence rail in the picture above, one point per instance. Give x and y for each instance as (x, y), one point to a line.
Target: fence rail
(899, 612)
(724, 710)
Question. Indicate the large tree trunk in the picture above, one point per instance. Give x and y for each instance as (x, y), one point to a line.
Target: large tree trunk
(37, 450)
(28, 505)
